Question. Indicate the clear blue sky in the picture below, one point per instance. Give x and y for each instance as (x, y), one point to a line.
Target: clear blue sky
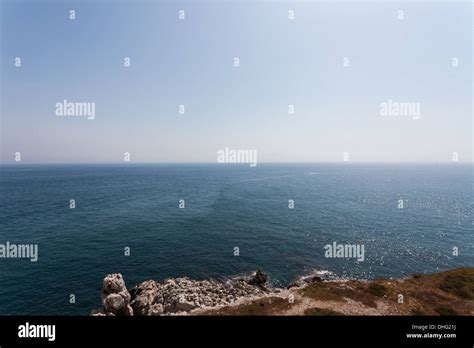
(190, 62)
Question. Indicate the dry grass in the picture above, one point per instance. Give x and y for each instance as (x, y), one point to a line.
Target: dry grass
(445, 293)
(263, 306)
(338, 291)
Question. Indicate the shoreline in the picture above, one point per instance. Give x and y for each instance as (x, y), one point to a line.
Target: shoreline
(322, 293)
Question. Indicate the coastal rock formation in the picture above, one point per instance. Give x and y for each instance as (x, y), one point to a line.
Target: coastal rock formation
(115, 297)
(183, 295)
(320, 293)
(174, 296)
(258, 279)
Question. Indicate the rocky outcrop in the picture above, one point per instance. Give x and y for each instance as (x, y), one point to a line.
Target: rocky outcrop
(320, 293)
(115, 297)
(323, 293)
(174, 296)
(258, 279)
(183, 295)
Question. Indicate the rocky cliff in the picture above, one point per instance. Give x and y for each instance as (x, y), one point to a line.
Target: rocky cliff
(445, 293)
(178, 295)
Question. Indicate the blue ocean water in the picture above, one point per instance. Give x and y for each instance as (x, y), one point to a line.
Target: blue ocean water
(227, 206)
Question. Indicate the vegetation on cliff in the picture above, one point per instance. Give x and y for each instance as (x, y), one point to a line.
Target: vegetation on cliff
(444, 293)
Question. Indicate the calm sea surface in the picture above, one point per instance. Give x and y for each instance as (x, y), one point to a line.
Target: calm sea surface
(227, 206)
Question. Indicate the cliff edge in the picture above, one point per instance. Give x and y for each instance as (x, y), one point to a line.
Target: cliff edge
(444, 293)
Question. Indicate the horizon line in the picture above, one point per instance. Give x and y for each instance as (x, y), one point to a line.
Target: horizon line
(238, 164)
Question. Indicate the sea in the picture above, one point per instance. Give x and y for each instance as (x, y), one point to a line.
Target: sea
(157, 221)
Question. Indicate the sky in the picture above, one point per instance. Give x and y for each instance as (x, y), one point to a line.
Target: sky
(190, 62)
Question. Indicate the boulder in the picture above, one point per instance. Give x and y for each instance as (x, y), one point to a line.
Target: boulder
(258, 279)
(145, 296)
(115, 296)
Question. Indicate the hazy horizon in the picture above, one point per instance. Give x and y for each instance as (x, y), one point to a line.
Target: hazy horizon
(237, 164)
